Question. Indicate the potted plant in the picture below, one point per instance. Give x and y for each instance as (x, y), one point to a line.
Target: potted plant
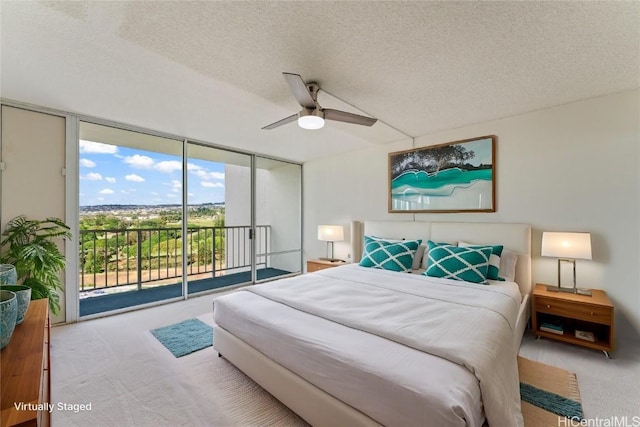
(30, 246)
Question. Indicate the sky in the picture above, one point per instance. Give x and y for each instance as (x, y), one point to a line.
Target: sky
(482, 150)
(111, 174)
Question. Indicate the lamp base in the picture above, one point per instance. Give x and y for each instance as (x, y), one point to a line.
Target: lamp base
(586, 292)
(559, 289)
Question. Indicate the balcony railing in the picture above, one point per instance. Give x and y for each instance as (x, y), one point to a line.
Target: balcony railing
(153, 256)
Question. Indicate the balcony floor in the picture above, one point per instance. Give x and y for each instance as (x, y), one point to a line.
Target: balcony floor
(115, 301)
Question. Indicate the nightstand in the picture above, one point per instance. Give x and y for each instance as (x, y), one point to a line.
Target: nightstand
(320, 264)
(576, 319)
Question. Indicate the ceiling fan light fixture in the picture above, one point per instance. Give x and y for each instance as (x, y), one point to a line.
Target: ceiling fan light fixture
(310, 119)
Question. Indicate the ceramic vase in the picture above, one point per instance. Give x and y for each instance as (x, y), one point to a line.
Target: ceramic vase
(8, 275)
(8, 316)
(23, 295)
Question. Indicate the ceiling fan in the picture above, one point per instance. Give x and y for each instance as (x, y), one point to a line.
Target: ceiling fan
(312, 116)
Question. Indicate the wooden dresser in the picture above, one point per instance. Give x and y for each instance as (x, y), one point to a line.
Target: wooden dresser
(26, 377)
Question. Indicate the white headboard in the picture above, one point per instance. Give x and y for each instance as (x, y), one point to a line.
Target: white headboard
(514, 237)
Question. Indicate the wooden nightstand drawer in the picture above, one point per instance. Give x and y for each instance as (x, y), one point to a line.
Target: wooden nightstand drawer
(590, 313)
(317, 265)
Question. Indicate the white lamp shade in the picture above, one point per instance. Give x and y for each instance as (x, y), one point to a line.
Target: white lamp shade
(566, 245)
(331, 233)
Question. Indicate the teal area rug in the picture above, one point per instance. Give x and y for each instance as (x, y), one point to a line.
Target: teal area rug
(185, 337)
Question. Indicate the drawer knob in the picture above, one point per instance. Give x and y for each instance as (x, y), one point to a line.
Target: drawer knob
(548, 306)
(592, 313)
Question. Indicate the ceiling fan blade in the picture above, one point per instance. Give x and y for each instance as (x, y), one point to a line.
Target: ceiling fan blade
(281, 122)
(343, 116)
(300, 90)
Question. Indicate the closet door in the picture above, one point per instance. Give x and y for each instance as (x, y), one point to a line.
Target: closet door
(32, 156)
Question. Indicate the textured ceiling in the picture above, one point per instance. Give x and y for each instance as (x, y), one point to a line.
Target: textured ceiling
(212, 70)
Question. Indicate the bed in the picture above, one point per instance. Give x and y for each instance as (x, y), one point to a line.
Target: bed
(363, 346)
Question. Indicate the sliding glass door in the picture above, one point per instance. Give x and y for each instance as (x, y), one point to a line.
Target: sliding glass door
(278, 199)
(130, 217)
(162, 218)
(219, 225)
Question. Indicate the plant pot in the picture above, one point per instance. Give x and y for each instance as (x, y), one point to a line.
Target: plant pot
(23, 294)
(8, 275)
(8, 316)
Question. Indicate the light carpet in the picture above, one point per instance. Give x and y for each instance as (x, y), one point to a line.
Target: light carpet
(130, 379)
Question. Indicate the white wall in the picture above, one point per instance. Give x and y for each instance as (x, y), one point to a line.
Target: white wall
(575, 167)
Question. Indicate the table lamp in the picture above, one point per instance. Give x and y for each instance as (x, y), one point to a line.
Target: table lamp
(567, 247)
(330, 234)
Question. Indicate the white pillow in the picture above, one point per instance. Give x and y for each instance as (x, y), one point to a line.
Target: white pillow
(508, 262)
(418, 257)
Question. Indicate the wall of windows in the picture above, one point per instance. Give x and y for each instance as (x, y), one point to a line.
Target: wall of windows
(154, 217)
(243, 218)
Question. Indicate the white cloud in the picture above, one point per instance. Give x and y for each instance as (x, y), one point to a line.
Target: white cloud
(110, 179)
(193, 167)
(93, 176)
(211, 184)
(106, 191)
(168, 166)
(207, 176)
(134, 178)
(139, 162)
(153, 193)
(172, 195)
(87, 163)
(100, 199)
(175, 184)
(97, 147)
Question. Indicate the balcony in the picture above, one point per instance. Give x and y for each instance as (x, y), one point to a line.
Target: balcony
(122, 268)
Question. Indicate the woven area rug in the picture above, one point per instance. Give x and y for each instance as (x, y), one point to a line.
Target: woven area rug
(548, 394)
(185, 337)
(545, 385)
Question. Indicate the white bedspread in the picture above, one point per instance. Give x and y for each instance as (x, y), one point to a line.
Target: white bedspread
(470, 325)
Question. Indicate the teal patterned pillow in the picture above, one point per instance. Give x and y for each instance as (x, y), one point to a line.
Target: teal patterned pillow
(494, 260)
(468, 264)
(394, 256)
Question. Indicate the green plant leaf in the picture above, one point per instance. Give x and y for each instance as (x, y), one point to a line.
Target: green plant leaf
(30, 245)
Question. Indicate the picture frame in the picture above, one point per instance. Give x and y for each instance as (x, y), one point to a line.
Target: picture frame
(456, 176)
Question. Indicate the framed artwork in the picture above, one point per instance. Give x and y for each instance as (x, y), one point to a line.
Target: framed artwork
(456, 176)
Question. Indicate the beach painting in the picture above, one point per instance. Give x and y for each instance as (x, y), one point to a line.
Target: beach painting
(456, 176)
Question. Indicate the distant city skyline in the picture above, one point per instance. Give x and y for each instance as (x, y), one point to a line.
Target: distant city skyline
(111, 174)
